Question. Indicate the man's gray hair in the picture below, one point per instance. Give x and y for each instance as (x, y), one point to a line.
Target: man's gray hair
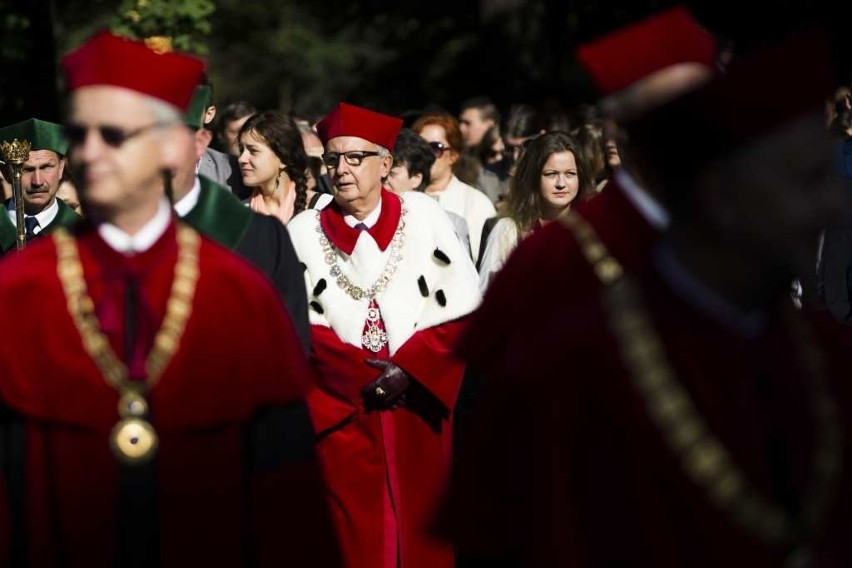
(162, 112)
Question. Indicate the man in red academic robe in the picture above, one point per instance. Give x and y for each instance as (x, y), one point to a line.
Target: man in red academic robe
(686, 415)
(389, 288)
(634, 69)
(151, 384)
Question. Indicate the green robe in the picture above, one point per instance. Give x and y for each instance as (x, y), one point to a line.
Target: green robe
(219, 215)
(260, 239)
(66, 217)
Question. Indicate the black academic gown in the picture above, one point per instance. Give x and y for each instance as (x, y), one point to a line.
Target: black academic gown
(835, 270)
(260, 239)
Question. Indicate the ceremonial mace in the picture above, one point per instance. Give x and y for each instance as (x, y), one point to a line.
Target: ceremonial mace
(15, 154)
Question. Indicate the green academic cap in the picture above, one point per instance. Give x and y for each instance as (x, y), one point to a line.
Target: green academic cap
(42, 135)
(201, 99)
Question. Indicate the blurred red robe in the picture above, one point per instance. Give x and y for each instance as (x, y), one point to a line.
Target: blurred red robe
(563, 466)
(235, 478)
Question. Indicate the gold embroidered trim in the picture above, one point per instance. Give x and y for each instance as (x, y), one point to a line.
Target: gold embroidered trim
(703, 457)
(133, 439)
(343, 282)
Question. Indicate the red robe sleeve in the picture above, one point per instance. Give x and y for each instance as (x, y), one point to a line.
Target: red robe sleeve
(428, 357)
(341, 372)
(291, 521)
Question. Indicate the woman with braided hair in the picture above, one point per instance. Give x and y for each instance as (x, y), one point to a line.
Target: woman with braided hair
(274, 165)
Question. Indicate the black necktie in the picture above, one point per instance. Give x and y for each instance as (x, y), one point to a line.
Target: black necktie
(30, 223)
(361, 227)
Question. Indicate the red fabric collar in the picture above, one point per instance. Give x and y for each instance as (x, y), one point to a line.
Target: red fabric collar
(621, 227)
(344, 237)
(115, 263)
(614, 203)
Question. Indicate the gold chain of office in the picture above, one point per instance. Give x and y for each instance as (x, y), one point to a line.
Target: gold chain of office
(394, 258)
(133, 439)
(702, 455)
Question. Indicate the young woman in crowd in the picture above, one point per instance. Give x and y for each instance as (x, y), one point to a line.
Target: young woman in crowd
(273, 163)
(551, 175)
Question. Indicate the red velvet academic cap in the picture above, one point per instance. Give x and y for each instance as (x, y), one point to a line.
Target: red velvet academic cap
(622, 57)
(759, 93)
(350, 120)
(106, 59)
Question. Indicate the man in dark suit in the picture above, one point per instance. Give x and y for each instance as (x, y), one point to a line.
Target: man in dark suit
(834, 260)
(834, 272)
(215, 165)
(40, 179)
(213, 211)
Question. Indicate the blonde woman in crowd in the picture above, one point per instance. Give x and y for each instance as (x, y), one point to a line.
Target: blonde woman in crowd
(441, 131)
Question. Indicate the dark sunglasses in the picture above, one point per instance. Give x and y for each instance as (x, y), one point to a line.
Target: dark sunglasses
(438, 148)
(113, 136)
(353, 158)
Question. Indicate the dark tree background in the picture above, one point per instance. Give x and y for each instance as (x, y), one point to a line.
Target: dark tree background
(303, 56)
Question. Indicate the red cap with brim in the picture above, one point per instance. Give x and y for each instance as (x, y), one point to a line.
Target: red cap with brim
(107, 59)
(350, 120)
(621, 58)
(755, 97)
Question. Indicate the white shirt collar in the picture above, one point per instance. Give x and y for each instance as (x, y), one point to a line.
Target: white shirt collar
(44, 217)
(648, 207)
(370, 220)
(121, 242)
(188, 202)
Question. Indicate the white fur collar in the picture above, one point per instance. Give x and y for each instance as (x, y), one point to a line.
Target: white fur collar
(404, 308)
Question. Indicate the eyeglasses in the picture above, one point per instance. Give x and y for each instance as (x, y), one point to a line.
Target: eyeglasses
(353, 158)
(113, 136)
(438, 148)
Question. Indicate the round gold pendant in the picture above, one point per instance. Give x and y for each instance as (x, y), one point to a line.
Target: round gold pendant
(133, 441)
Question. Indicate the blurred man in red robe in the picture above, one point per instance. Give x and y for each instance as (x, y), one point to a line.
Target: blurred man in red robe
(151, 384)
(634, 69)
(389, 288)
(686, 415)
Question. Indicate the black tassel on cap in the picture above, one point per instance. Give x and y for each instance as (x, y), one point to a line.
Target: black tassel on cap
(439, 254)
(318, 289)
(424, 290)
(317, 307)
(442, 299)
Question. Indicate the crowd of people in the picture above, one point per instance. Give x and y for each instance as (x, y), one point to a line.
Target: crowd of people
(242, 337)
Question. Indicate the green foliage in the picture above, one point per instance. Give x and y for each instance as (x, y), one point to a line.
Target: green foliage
(306, 56)
(14, 25)
(76, 20)
(185, 22)
(286, 58)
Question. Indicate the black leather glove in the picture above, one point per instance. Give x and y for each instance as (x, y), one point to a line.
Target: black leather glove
(388, 390)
